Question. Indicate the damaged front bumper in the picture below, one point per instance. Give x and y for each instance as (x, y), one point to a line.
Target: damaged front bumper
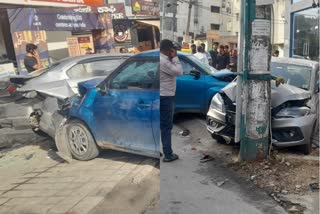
(285, 131)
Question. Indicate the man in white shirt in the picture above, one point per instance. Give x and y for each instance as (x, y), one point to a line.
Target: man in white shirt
(201, 55)
(170, 67)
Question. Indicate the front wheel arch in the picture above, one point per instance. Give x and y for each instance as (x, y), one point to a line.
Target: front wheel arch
(92, 147)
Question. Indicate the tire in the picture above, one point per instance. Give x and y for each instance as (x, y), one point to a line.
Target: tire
(218, 138)
(307, 148)
(80, 141)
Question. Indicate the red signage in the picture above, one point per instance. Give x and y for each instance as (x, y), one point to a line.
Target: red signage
(84, 2)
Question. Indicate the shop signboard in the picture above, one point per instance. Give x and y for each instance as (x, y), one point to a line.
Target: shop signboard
(82, 2)
(146, 7)
(24, 19)
(21, 38)
(73, 46)
(116, 10)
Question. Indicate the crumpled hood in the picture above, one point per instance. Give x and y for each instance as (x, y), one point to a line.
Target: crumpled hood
(279, 95)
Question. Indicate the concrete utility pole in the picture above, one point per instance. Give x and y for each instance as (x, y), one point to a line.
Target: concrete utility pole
(186, 36)
(255, 79)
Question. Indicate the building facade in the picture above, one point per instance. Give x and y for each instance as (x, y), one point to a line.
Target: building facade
(302, 34)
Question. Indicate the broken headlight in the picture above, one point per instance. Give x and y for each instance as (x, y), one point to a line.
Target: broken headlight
(293, 112)
(217, 103)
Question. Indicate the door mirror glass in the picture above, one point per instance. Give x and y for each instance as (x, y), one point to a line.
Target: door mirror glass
(102, 88)
(195, 73)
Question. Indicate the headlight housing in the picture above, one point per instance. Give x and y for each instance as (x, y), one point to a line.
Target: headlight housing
(293, 112)
(217, 103)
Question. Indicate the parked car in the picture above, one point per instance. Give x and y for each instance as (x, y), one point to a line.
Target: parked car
(22, 98)
(294, 120)
(120, 112)
(199, 83)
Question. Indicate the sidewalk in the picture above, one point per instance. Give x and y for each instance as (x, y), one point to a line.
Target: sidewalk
(36, 181)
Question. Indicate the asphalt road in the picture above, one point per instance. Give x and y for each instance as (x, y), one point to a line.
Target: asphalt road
(188, 186)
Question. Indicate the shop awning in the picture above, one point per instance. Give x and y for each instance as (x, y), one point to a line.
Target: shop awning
(151, 22)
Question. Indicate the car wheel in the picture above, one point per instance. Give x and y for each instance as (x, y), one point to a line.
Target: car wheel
(80, 140)
(307, 148)
(218, 138)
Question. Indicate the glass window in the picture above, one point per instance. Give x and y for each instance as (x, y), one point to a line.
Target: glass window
(207, 68)
(136, 75)
(296, 75)
(93, 69)
(77, 71)
(187, 67)
(305, 33)
(102, 67)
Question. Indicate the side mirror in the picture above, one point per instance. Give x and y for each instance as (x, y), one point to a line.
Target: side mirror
(195, 73)
(317, 87)
(102, 90)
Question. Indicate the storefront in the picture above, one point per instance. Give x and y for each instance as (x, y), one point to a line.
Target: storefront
(303, 40)
(86, 31)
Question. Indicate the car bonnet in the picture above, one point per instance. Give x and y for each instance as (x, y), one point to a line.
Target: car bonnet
(279, 95)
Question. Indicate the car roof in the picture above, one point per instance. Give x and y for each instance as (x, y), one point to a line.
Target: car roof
(295, 61)
(155, 53)
(60, 64)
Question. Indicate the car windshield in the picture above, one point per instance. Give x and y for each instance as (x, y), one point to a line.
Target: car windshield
(295, 75)
(207, 68)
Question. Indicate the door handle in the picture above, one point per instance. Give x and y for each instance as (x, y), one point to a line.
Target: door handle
(141, 104)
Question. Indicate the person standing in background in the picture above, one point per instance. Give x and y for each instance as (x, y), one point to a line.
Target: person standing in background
(170, 68)
(208, 55)
(201, 55)
(227, 52)
(222, 59)
(32, 59)
(214, 54)
(233, 60)
(193, 49)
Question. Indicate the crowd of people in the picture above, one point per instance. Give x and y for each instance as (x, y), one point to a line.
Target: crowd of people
(220, 57)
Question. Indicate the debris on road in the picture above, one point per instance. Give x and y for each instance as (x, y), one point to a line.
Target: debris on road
(206, 158)
(314, 187)
(220, 183)
(293, 209)
(253, 177)
(28, 157)
(184, 132)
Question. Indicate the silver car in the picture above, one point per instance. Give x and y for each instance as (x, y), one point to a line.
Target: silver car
(58, 81)
(294, 106)
(61, 78)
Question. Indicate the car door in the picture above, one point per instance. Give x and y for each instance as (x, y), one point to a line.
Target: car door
(123, 116)
(190, 91)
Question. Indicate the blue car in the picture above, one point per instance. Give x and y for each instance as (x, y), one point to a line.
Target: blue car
(120, 112)
(198, 84)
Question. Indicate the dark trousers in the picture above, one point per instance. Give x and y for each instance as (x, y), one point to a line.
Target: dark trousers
(166, 120)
